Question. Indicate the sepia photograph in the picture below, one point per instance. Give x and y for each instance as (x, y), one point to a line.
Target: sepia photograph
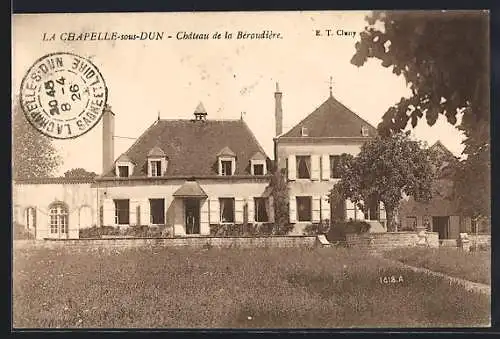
(251, 170)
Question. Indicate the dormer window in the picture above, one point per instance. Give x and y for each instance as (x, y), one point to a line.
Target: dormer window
(123, 171)
(226, 161)
(226, 167)
(304, 132)
(364, 131)
(258, 164)
(124, 166)
(157, 162)
(156, 168)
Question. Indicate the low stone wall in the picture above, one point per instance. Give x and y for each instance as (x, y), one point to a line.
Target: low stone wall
(391, 240)
(480, 240)
(194, 242)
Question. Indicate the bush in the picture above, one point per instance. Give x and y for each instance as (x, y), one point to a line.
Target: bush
(141, 231)
(317, 228)
(98, 232)
(339, 230)
(239, 230)
(21, 233)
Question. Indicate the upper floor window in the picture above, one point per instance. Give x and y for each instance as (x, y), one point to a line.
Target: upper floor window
(124, 166)
(364, 131)
(334, 166)
(156, 168)
(303, 166)
(258, 165)
(258, 169)
(227, 161)
(157, 162)
(123, 171)
(226, 167)
(304, 131)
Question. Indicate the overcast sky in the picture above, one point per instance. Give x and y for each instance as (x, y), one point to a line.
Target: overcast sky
(172, 76)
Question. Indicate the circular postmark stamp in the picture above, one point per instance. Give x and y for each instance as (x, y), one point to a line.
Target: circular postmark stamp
(63, 95)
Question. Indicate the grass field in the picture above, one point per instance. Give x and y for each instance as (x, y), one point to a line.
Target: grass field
(473, 266)
(236, 288)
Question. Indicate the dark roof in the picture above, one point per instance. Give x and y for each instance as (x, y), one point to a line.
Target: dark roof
(190, 189)
(55, 180)
(332, 119)
(192, 146)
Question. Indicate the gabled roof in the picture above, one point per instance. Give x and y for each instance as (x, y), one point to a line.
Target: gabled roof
(332, 119)
(156, 152)
(226, 151)
(200, 109)
(192, 146)
(190, 189)
(439, 147)
(258, 156)
(124, 158)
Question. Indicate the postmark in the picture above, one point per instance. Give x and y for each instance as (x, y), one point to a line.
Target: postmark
(63, 95)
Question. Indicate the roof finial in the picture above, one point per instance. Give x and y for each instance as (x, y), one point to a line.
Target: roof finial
(331, 86)
(277, 87)
(158, 115)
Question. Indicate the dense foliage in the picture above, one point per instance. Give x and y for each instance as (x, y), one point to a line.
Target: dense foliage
(33, 154)
(279, 192)
(386, 169)
(79, 173)
(444, 57)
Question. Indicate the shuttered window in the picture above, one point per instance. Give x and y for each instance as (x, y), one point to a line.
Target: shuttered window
(226, 209)
(303, 166)
(304, 208)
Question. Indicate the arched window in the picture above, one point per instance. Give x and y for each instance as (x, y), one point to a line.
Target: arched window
(58, 218)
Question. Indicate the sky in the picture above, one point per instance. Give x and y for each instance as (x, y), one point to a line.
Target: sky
(231, 77)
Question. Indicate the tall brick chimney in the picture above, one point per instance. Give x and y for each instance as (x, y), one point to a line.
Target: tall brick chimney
(278, 111)
(108, 142)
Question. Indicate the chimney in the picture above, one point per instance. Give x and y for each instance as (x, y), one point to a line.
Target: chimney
(108, 142)
(278, 111)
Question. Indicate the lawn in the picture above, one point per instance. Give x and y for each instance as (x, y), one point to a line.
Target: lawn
(473, 266)
(236, 288)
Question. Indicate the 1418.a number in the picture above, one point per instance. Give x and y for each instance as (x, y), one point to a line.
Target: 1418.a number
(51, 91)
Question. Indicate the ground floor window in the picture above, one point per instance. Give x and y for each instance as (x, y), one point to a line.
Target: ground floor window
(226, 209)
(30, 217)
(304, 210)
(261, 210)
(122, 211)
(58, 213)
(157, 208)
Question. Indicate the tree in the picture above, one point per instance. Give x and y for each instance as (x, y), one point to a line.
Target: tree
(444, 57)
(79, 173)
(386, 169)
(279, 192)
(33, 154)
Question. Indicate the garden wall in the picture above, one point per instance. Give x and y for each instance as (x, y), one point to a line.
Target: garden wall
(480, 240)
(195, 242)
(390, 240)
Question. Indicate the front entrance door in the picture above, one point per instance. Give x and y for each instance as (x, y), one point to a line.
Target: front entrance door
(440, 225)
(192, 216)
